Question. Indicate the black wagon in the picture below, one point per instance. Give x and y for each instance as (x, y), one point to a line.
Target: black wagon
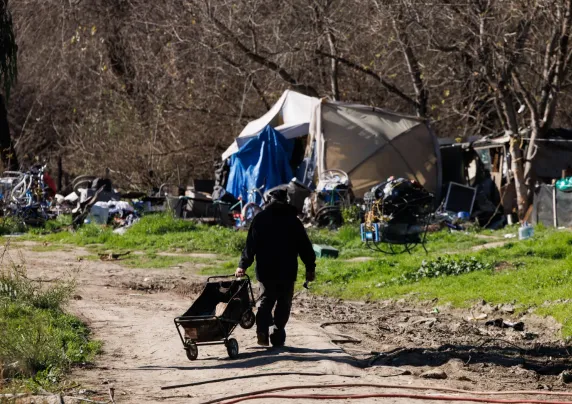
(224, 303)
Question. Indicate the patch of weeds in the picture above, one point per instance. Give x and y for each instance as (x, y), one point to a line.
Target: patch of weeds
(11, 225)
(446, 266)
(351, 215)
(38, 341)
(53, 226)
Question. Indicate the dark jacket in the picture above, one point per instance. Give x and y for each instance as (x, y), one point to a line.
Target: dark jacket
(276, 237)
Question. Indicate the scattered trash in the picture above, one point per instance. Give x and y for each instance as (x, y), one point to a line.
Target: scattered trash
(566, 377)
(463, 216)
(112, 256)
(509, 235)
(325, 251)
(481, 316)
(397, 214)
(332, 193)
(525, 232)
(500, 323)
(564, 184)
(436, 374)
(507, 308)
(428, 321)
(120, 230)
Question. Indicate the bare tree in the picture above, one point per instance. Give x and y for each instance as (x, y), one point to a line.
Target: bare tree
(8, 75)
(505, 43)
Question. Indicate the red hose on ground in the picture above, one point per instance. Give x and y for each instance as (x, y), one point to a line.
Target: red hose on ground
(390, 386)
(393, 395)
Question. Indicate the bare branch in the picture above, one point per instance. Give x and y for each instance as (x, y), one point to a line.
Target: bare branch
(390, 87)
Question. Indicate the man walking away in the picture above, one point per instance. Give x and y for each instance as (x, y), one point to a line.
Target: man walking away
(276, 238)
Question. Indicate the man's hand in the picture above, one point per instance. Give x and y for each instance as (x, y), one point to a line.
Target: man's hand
(310, 276)
(239, 273)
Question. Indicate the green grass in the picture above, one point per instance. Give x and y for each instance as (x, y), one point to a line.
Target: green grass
(535, 273)
(152, 260)
(38, 341)
(347, 240)
(531, 274)
(154, 233)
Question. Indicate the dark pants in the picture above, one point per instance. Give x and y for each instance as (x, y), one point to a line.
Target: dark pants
(274, 293)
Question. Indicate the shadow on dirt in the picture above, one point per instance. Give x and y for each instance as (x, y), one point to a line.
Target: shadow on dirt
(267, 357)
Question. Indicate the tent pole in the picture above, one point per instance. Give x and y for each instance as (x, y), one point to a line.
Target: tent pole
(554, 214)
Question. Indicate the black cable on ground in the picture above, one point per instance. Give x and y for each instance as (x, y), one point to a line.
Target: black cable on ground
(227, 379)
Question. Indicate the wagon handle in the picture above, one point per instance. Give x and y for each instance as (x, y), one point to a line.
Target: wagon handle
(226, 276)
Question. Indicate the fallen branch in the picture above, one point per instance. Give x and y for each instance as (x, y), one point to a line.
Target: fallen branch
(324, 325)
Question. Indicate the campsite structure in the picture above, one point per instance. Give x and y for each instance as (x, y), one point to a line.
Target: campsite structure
(368, 143)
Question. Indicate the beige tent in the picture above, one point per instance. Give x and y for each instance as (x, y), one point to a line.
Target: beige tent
(371, 145)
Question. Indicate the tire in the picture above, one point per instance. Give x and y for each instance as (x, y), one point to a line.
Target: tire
(192, 351)
(232, 348)
(329, 216)
(248, 319)
(83, 181)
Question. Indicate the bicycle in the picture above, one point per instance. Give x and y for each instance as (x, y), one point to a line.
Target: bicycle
(28, 200)
(335, 194)
(249, 210)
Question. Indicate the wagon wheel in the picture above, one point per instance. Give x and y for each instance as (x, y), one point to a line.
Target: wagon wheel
(248, 319)
(232, 348)
(192, 350)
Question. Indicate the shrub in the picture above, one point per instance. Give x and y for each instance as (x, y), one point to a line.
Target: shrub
(37, 339)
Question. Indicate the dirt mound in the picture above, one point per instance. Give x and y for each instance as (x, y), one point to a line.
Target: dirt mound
(421, 337)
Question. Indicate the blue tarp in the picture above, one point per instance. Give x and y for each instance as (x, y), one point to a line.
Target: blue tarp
(264, 159)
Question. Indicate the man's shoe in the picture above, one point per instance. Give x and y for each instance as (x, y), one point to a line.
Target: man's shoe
(263, 340)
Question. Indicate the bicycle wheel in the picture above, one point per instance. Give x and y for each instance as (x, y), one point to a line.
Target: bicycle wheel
(249, 211)
(83, 181)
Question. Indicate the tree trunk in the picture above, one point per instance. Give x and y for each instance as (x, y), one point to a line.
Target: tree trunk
(519, 181)
(528, 172)
(334, 67)
(516, 152)
(7, 153)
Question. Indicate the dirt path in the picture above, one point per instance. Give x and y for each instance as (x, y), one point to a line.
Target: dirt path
(132, 311)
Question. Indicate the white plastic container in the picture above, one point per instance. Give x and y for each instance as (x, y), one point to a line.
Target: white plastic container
(525, 231)
(99, 214)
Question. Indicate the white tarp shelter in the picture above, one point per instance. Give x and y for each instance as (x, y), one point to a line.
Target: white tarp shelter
(369, 144)
(290, 116)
